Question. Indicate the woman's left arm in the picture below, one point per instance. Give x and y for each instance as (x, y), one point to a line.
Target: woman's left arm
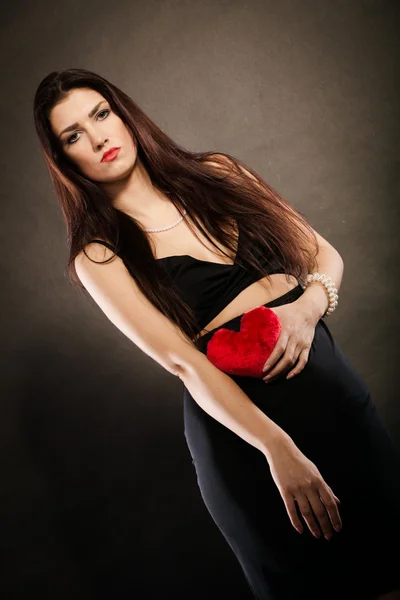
(299, 318)
(328, 261)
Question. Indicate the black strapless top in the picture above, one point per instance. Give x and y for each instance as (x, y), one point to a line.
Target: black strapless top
(208, 287)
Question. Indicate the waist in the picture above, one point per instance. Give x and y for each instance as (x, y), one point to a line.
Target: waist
(286, 298)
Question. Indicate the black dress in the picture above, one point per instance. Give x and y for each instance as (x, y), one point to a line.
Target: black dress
(328, 412)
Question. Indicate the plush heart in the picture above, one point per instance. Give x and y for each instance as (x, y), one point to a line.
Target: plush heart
(245, 352)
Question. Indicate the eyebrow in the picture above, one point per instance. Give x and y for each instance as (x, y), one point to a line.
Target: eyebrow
(75, 125)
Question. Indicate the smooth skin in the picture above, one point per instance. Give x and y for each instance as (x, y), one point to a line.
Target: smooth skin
(295, 339)
(310, 491)
(125, 180)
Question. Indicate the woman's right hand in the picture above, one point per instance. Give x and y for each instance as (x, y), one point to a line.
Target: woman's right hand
(298, 479)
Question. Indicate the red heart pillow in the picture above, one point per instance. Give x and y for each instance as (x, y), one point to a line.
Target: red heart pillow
(244, 352)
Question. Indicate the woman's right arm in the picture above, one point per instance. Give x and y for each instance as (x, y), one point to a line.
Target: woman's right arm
(119, 297)
(117, 294)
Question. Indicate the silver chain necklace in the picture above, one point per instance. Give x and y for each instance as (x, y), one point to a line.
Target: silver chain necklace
(169, 226)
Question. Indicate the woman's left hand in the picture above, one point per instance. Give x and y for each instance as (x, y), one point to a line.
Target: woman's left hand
(294, 342)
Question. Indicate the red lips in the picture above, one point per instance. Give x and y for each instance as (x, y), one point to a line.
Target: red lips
(109, 153)
(245, 352)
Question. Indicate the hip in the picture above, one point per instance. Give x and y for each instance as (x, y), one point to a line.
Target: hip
(328, 383)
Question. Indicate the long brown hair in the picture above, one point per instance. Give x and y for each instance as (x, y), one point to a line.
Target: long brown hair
(212, 197)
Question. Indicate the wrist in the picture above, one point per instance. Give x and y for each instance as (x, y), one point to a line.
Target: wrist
(276, 443)
(314, 301)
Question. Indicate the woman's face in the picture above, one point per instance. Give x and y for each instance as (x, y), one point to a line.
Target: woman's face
(91, 133)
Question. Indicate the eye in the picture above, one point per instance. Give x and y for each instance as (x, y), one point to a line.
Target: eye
(104, 110)
(71, 141)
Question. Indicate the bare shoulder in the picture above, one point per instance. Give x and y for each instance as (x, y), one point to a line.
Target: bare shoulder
(121, 299)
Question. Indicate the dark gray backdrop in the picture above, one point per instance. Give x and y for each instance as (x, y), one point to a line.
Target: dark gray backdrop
(98, 493)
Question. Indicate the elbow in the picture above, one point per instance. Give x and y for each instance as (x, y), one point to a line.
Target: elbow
(173, 369)
(190, 365)
(181, 368)
(183, 360)
(177, 367)
(178, 370)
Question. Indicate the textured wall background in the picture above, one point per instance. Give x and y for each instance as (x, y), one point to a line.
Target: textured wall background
(98, 493)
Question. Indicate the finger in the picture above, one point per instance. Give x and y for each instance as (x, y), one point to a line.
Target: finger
(331, 491)
(307, 513)
(328, 498)
(279, 352)
(292, 512)
(276, 353)
(320, 512)
(287, 361)
(301, 363)
(281, 367)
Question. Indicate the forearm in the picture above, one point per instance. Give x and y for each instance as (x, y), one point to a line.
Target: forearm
(219, 396)
(315, 300)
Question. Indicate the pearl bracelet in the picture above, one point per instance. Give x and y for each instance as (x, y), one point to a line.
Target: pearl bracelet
(330, 289)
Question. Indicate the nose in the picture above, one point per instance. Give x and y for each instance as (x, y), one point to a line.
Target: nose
(101, 142)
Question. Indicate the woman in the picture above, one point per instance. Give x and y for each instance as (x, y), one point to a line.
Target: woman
(181, 250)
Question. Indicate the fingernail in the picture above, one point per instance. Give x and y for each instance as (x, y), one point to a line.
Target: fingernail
(268, 377)
(266, 368)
